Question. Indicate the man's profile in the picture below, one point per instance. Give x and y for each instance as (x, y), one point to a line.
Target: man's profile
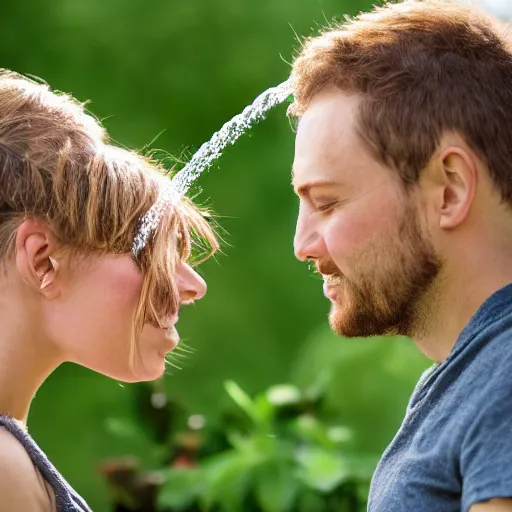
(403, 167)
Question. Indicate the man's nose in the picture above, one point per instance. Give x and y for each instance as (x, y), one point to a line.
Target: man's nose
(307, 243)
(190, 284)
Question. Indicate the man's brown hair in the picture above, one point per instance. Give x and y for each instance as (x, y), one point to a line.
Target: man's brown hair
(422, 68)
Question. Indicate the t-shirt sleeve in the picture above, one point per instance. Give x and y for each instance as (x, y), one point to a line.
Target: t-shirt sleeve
(486, 452)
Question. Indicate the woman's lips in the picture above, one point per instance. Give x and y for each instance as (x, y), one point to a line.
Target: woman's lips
(171, 334)
(171, 322)
(171, 338)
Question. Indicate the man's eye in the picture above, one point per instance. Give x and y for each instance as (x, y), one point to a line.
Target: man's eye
(325, 207)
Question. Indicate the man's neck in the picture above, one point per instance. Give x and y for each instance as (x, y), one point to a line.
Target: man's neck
(449, 307)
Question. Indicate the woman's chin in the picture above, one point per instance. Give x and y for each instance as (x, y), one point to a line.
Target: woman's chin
(152, 368)
(149, 374)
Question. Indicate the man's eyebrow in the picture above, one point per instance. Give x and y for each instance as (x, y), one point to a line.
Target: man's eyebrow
(304, 189)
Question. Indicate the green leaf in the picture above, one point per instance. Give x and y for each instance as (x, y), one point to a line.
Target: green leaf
(181, 489)
(261, 449)
(242, 399)
(259, 409)
(276, 487)
(263, 411)
(252, 449)
(321, 470)
(308, 428)
(283, 394)
(227, 478)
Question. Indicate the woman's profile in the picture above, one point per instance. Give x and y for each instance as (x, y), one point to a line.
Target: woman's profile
(89, 274)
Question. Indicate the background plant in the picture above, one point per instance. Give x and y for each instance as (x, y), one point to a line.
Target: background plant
(285, 449)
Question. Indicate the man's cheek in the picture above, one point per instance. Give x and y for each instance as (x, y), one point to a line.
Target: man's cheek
(346, 236)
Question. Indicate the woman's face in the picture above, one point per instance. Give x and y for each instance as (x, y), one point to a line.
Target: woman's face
(91, 319)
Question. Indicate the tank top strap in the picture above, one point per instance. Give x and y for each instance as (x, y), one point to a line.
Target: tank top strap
(67, 500)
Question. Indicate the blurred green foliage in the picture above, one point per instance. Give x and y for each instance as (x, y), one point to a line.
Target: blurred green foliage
(295, 448)
(285, 458)
(177, 70)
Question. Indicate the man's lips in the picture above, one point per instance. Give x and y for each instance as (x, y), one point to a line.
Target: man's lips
(330, 291)
(331, 285)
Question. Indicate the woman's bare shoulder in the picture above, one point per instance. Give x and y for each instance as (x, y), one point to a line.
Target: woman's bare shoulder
(21, 487)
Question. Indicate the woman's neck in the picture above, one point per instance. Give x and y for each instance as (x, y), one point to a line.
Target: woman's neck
(26, 357)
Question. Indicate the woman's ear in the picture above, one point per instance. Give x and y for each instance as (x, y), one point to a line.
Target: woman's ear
(36, 259)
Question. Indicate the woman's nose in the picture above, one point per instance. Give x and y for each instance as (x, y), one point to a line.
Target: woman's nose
(190, 284)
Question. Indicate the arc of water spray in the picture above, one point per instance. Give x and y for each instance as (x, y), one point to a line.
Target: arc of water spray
(205, 156)
(228, 135)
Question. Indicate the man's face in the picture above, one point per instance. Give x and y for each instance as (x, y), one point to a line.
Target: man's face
(359, 226)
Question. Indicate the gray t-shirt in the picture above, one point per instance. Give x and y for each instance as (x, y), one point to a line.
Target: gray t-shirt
(454, 448)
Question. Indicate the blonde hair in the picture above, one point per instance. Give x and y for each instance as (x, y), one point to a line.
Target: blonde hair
(56, 164)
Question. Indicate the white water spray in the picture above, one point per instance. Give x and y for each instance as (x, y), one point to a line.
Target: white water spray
(204, 158)
(228, 134)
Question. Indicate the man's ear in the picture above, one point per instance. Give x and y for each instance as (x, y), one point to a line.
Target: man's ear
(453, 182)
(36, 261)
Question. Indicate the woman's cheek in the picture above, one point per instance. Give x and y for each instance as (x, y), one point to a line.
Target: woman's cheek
(124, 283)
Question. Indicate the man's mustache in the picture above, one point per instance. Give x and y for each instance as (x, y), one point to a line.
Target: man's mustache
(332, 274)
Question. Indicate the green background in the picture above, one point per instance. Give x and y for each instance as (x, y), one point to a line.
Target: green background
(177, 70)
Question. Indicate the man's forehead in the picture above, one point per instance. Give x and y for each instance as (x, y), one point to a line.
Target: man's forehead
(321, 160)
(329, 151)
(329, 108)
(326, 131)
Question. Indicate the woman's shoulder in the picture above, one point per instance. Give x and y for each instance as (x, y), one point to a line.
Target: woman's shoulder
(21, 486)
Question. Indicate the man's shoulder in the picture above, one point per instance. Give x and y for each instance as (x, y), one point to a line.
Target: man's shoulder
(491, 358)
(485, 357)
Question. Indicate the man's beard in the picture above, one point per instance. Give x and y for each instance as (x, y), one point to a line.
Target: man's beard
(388, 288)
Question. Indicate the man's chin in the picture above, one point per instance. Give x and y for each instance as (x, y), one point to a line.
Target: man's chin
(346, 326)
(339, 323)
